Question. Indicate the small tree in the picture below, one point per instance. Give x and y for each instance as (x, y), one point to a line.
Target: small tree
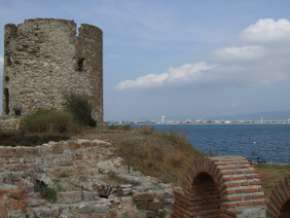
(80, 108)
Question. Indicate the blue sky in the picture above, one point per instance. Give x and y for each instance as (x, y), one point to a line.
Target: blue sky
(189, 58)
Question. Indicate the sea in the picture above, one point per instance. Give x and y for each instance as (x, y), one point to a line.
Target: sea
(259, 143)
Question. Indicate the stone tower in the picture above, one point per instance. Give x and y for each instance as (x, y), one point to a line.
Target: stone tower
(44, 59)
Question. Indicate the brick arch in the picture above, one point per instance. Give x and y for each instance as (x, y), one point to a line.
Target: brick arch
(278, 205)
(206, 200)
(218, 187)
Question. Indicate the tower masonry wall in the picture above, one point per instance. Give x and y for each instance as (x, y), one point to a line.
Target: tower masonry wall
(45, 59)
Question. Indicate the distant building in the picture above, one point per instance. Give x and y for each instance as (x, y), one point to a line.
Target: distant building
(163, 119)
(188, 121)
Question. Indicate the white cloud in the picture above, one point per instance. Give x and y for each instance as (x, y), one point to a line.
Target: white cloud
(264, 62)
(177, 75)
(268, 31)
(243, 53)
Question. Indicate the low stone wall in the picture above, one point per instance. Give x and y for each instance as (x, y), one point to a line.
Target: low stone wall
(89, 180)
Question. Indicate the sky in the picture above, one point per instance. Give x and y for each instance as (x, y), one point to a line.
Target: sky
(187, 58)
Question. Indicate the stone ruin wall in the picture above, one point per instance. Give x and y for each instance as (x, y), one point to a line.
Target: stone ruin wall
(79, 171)
(45, 59)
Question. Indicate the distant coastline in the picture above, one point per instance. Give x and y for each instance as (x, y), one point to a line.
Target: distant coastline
(217, 124)
(203, 122)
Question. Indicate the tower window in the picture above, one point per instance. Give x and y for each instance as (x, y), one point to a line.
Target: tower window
(9, 60)
(80, 64)
(6, 101)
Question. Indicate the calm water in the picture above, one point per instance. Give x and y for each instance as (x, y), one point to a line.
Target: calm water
(267, 142)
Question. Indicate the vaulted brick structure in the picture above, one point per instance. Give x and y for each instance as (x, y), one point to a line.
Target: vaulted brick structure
(220, 187)
(279, 201)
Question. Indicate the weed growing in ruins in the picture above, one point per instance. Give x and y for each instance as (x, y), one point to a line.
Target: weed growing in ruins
(49, 194)
(128, 151)
(81, 109)
(48, 121)
(45, 192)
(20, 139)
(147, 130)
(119, 127)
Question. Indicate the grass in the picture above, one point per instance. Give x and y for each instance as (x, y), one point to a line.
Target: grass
(41, 127)
(119, 127)
(166, 156)
(48, 121)
(20, 139)
(271, 175)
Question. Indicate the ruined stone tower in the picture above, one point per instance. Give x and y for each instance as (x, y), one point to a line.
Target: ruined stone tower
(44, 59)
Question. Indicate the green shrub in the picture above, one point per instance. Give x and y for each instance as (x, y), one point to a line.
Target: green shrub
(48, 121)
(147, 130)
(49, 194)
(30, 139)
(45, 192)
(119, 127)
(113, 126)
(80, 108)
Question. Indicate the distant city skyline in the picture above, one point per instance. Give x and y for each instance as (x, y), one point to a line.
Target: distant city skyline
(283, 116)
(181, 58)
(200, 122)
